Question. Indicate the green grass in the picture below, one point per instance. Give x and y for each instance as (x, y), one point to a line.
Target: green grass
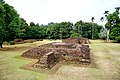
(10, 62)
(10, 68)
(106, 57)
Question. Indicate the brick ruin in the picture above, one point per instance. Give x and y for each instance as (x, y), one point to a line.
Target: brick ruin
(77, 40)
(50, 54)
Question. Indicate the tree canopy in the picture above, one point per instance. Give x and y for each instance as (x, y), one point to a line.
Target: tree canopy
(113, 22)
(9, 22)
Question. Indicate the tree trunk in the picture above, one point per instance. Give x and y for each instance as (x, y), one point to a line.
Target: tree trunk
(1, 42)
(92, 31)
(0, 45)
(81, 31)
(108, 32)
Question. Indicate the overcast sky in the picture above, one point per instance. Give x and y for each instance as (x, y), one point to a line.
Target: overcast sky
(45, 11)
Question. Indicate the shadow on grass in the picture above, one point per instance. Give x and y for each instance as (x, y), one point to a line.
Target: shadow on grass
(93, 61)
(55, 68)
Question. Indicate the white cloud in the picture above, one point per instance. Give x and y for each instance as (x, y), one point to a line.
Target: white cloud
(45, 11)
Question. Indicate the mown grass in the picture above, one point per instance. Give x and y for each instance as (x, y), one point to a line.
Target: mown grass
(106, 57)
(10, 62)
(106, 61)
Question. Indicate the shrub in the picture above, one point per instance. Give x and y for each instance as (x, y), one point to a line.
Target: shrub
(75, 35)
(12, 43)
(118, 38)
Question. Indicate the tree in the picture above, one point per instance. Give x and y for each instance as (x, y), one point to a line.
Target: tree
(106, 13)
(9, 23)
(32, 24)
(2, 2)
(114, 22)
(96, 30)
(84, 29)
(2, 23)
(103, 31)
(52, 30)
(65, 29)
(107, 25)
(43, 29)
(59, 30)
(117, 9)
(78, 27)
(102, 19)
(75, 35)
(23, 29)
(92, 19)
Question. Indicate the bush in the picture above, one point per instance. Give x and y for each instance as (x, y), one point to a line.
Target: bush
(103, 34)
(12, 43)
(75, 35)
(5, 42)
(118, 39)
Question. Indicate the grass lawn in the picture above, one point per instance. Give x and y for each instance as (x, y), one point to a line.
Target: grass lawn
(105, 57)
(10, 64)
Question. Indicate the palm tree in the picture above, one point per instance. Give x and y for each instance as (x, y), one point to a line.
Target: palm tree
(117, 9)
(104, 31)
(102, 19)
(92, 19)
(106, 13)
(108, 30)
(81, 24)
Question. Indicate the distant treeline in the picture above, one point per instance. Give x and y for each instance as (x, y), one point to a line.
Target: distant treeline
(59, 30)
(12, 27)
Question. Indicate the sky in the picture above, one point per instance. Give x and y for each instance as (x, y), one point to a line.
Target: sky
(46, 11)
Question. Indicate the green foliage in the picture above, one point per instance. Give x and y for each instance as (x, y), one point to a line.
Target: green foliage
(115, 33)
(75, 35)
(9, 22)
(103, 34)
(32, 24)
(107, 25)
(23, 27)
(87, 30)
(118, 38)
(113, 24)
(2, 22)
(34, 31)
(53, 31)
(59, 30)
(2, 1)
(12, 43)
(65, 28)
(78, 27)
